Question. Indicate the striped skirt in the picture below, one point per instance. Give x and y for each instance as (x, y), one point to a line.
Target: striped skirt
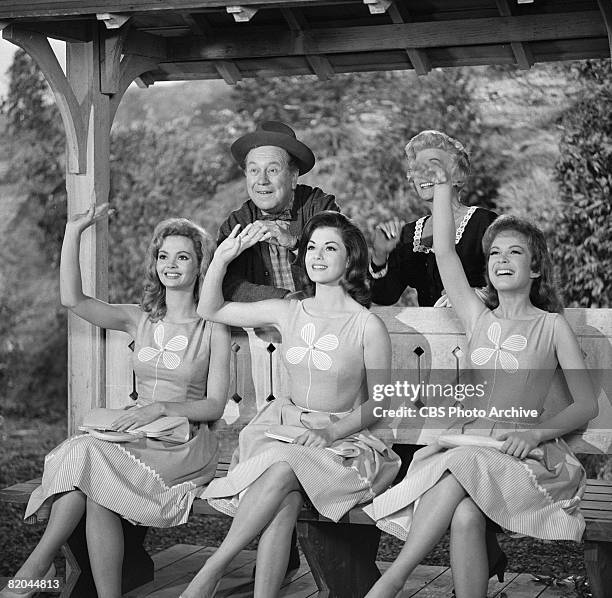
(148, 482)
(535, 497)
(332, 483)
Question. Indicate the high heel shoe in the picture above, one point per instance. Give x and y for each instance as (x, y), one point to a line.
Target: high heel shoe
(499, 566)
(8, 593)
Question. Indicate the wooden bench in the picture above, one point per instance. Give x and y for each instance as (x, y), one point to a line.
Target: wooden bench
(342, 556)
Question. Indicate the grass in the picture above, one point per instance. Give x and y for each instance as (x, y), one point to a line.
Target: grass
(23, 444)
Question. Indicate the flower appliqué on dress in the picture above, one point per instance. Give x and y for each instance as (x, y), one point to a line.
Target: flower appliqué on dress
(164, 352)
(514, 343)
(315, 351)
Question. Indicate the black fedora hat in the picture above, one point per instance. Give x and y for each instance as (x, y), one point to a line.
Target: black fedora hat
(275, 133)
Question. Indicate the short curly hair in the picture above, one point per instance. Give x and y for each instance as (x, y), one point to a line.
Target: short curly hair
(543, 293)
(436, 139)
(355, 280)
(154, 292)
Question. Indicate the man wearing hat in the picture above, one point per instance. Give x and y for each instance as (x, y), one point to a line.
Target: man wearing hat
(272, 159)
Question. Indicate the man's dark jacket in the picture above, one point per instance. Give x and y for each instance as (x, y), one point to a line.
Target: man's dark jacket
(249, 277)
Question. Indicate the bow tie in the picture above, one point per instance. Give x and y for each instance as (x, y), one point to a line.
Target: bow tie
(283, 215)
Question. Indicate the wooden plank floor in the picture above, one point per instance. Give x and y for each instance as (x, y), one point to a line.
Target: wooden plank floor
(175, 567)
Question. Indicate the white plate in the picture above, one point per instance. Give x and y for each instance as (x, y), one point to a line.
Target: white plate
(116, 436)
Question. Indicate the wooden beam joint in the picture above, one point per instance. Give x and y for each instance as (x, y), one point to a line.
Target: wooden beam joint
(112, 20)
(377, 7)
(241, 14)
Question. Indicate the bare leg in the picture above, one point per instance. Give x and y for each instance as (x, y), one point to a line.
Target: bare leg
(468, 551)
(66, 512)
(431, 519)
(274, 546)
(258, 507)
(105, 547)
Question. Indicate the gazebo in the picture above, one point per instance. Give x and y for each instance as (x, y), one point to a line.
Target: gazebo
(112, 43)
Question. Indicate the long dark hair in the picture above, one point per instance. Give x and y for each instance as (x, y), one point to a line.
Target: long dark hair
(543, 293)
(355, 280)
(154, 292)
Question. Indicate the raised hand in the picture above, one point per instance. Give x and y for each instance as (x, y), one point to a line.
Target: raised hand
(432, 171)
(386, 238)
(79, 222)
(235, 243)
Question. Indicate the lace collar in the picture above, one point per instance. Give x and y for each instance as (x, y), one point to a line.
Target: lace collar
(418, 231)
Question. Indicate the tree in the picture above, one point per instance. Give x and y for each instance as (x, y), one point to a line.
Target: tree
(582, 239)
(33, 326)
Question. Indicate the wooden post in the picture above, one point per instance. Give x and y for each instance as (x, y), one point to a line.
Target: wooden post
(87, 97)
(86, 355)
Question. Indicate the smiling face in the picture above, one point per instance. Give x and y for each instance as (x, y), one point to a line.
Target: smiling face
(177, 263)
(423, 186)
(510, 259)
(326, 256)
(270, 179)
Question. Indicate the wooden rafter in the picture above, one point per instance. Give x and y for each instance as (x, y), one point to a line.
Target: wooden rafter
(417, 57)
(228, 71)
(320, 65)
(521, 50)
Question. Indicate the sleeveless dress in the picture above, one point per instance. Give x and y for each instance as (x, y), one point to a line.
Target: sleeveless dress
(148, 482)
(539, 497)
(327, 380)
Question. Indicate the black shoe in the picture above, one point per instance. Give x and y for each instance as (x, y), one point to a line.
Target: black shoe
(499, 567)
(294, 556)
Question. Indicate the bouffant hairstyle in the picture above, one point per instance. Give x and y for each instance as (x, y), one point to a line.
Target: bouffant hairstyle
(543, 293)
(355, 280)
(436, 139)
(154, 293)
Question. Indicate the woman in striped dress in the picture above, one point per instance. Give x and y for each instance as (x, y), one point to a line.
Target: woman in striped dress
(334, 350)
(146, 481)
(516, 343)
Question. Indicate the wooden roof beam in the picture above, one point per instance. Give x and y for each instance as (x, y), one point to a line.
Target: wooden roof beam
(63, 8)
(417, 57)
(320, 65)
(521, 51)
(255, 42)
(605, 6)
